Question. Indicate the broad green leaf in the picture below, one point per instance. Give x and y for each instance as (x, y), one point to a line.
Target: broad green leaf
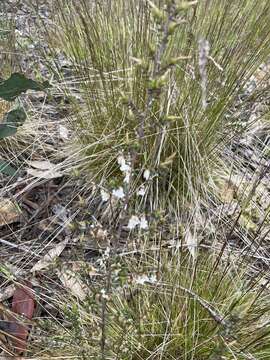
(13, 119)
(7, 169)
(17, 84)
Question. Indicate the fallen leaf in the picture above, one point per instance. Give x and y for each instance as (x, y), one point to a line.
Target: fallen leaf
(72, 282)
(43, 169)
(41, 165)
(23, 300)
(9, 212)
(49, 174)
(228, 192)
(49, 257)
(23, 303)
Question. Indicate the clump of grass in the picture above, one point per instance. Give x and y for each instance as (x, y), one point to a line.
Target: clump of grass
(159, 81)
(167, 308)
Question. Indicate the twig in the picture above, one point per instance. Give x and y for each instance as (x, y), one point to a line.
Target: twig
(15, 246)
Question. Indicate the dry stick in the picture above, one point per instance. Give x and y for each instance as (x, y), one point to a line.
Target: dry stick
(103, 311)
(20, 247)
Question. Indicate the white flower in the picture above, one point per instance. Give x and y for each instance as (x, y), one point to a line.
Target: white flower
(107, 252)
(133, 222)
(104, 295)
(119, 193)
(127, 178)
(146, 174)
(143, 223)
(124, 167)
(141, 191)
(104, 195)
(141, 280)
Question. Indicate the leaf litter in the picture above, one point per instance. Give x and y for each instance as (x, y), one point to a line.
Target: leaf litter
(9, 212)
(43, 169)
(52, 254)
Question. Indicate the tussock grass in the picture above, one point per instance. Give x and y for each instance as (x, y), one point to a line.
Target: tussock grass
(167, 308)
(160, 83)
(163, 86)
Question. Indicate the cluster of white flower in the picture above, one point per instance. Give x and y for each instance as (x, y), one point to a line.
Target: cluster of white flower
(135, 221)
(145, 279)
(120, 192)
(125, 167)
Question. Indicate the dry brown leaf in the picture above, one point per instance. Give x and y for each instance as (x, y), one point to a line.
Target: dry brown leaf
(9, 212)
(41, 165)
(43, 169)
(50, 256)
(72, 282)
(48, 174)
(228, 192)
(23, 303)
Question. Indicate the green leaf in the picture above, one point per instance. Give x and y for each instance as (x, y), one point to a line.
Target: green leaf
(7, 169)
(12, 120)
(17, 84)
